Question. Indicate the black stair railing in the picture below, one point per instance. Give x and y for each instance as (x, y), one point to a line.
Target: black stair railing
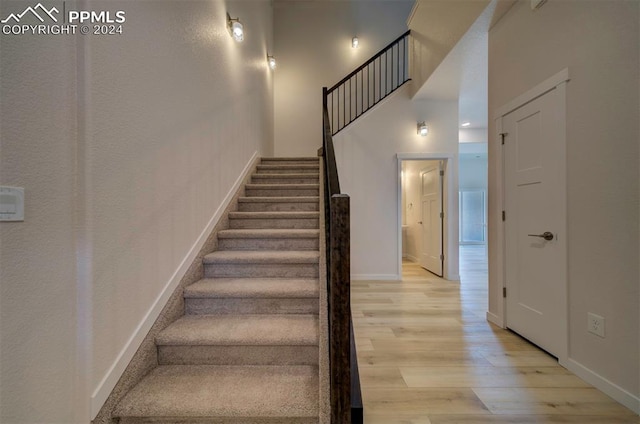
(369, 84)
(341, 105)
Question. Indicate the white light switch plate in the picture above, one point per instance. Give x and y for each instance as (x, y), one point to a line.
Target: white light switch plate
(11, 203)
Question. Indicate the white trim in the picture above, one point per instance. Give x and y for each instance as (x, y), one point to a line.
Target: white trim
(377, 277)
(559, 83)
(112, 376)
(412, 14)
(608, 387)
(537, 91)
(495, 319)
(452, 200)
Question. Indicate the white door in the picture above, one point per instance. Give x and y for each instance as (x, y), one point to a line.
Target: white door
(431, 199)
(535, 245)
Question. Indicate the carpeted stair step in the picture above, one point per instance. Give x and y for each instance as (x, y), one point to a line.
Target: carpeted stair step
(252, 296)
(189, 394)
(269, 239)
(281, 339)
(274, 220)
(291, 161)
(288, 169)
(265, 264)
(281, 190)
(285, 178)
(273, 204)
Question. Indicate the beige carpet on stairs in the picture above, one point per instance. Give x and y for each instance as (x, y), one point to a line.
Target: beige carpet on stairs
(246, 350)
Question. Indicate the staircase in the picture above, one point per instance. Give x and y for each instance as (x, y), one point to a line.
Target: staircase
(246, 350)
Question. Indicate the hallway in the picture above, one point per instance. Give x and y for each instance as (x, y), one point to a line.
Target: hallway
(427, 355)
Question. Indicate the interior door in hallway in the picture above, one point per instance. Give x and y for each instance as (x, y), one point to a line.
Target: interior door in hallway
(535, 245)
(431, 256)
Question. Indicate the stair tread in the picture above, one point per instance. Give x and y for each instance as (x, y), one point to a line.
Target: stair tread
(274, 215)
(253, 288)
(244, 330)
(224, 391)
(262, 257)
(304, 158)
(288, 166)
(276, 199)
(262, 233)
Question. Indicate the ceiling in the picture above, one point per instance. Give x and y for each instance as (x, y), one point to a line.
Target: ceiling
(463, 74)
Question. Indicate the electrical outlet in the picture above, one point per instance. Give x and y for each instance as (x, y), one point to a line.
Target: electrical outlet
(595, 324)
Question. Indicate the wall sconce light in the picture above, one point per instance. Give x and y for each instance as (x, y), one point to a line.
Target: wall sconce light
(355, 42)
(236, 29)
(422, 128)
(272, 62)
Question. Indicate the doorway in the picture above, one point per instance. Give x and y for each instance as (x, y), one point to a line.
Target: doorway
(428, 213)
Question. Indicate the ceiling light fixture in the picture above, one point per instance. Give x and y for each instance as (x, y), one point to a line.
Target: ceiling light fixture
(272, 62)
(465, 124)
(355, 42)
(236, 29)
(423, 130)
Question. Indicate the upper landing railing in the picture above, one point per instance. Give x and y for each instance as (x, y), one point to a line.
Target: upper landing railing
(366, 86)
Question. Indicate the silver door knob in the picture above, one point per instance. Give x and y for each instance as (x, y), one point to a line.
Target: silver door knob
(547, 235)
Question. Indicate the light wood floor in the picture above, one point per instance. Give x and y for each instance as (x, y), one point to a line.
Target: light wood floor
(427, 355)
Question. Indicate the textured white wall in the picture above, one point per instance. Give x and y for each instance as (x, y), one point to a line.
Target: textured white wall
(313, 48)
(37, 257)
(598, 42)
(134, 144)
(367, 163)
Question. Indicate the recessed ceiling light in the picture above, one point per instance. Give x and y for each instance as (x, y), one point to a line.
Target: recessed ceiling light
(465, 124)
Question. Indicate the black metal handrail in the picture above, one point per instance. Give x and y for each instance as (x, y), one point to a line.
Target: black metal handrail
(368, 84)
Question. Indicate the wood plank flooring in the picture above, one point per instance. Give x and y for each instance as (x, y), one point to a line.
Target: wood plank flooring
(427, 355)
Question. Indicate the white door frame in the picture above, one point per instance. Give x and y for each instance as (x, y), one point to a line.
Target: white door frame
(557, 82)
(450, 269)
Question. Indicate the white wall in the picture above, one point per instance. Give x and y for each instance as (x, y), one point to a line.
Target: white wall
(126, 145)
(313, 48)
(473, 171)
(367, 164)
(598, 42)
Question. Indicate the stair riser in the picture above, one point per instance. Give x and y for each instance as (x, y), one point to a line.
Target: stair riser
(261, 270)
(283, 192)
(204, 306)
(292, 170)
(237, 355)
(281, 180)
(277, 206)
(289, 162)
(290, 224)
(269, 244)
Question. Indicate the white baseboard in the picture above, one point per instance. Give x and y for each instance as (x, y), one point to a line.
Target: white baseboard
(377, 277)
(619, 394)
(112, 376)
(495, 319)
(411, 258)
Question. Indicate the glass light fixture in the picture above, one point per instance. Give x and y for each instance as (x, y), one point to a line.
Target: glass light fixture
(465, 124)
(355, 42)
(422, 128)
(272, 62)
(236, 29)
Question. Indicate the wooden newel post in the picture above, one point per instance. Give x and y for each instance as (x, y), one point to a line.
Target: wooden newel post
(340, 310)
